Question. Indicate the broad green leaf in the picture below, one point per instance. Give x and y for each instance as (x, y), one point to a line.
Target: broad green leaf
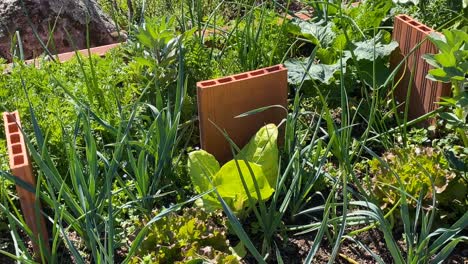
(446, 59)
(429, 58)
(202, 166)
(455, 38)
(263, 150)
(340, 42)
(323, 73)
(261, 155)
(320, 33)
(367, 72)
(229, 183)
(438, 75)
(454, 73)
(441, 42)
(327, 56)
(451, 118)
(365, 49)
(456, 162)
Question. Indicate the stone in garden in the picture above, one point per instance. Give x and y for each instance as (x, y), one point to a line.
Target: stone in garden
(67, 16)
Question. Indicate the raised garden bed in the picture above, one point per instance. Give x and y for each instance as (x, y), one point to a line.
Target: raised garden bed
(133, 161)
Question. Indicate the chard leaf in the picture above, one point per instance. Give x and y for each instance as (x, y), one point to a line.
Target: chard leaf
(263, 150)
(202, 166)
(229, 184)
(260, 155)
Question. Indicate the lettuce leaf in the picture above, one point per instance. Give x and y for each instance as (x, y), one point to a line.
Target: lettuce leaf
(263, 150)
(257, 160)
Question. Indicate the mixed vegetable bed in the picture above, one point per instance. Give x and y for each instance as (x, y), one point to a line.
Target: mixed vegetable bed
(346, 177)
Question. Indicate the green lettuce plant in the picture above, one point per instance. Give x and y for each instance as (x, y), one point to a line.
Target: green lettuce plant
(193, 236)
(422, 172)
(254, 167)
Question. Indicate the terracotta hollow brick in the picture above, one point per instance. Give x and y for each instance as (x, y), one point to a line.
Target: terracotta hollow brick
(221, 100)
(20, 166)
(424, 93)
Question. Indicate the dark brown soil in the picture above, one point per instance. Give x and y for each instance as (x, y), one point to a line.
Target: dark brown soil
(6, 244)
(295, 250)
(349, 252)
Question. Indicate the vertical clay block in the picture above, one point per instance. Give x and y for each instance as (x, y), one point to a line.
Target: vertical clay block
(20, 166)
(221, 100)
(424, 92)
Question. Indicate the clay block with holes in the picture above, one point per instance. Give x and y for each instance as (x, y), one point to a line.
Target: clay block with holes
(221, 100)
(20, 166)
(424, 93)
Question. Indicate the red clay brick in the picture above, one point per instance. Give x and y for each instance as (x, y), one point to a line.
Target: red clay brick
(221, 100)
(424, 92)
(20, 166)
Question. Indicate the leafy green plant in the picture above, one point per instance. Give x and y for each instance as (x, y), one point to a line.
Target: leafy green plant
(43, 87)
(157, 45)
(422, 171)
(255, 166)
(451, 65)
(423, 244)
(345, 44)
(193, 235)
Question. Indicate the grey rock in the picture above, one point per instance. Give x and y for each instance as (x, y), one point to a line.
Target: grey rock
(63, 16)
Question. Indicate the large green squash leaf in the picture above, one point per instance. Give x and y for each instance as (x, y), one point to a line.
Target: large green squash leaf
(263, 150)
(365, 49)
(320, 33)
(323, 73)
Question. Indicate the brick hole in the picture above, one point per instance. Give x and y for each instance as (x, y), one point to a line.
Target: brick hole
(15, 138)
(16, 149)
(13, 128)
(18, 159)
(225, 80)
(272, 69)
(11, 118)
(208, 83)
(414, 23)
(256, 73)
(405, 18)
(241, 76)
(424, 28)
